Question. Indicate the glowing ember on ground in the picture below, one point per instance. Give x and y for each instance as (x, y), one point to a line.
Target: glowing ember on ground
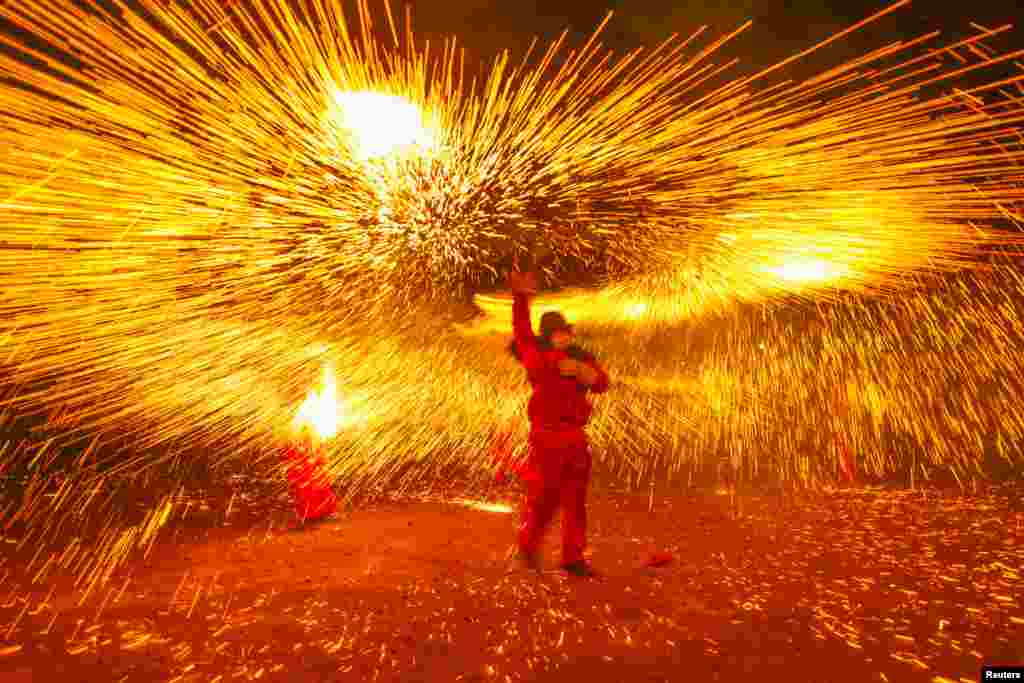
(485, 506)
(896, 585)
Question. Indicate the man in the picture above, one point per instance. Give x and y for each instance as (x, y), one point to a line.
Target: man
(558, 468)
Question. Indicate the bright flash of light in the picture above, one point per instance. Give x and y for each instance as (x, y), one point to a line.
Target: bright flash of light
(382, 125)
(322, 410)
(806, 271)
(636, 309)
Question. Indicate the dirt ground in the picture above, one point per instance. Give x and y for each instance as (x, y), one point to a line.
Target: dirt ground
(853, 585)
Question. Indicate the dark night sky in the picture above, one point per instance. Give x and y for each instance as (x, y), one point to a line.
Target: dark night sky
(781, 27)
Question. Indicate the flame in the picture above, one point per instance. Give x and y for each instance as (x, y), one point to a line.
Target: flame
(321, 411)
(381, 124)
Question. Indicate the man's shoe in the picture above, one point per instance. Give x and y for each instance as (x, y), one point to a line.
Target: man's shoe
(580, 568)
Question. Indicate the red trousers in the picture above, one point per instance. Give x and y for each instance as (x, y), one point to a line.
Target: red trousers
(557, 474)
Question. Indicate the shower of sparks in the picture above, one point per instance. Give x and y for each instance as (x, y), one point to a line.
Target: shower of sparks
(204, 204)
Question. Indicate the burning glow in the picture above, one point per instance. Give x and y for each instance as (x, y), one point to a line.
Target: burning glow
(636, 309)
(321, 412)
(381, 124)
(808, 271)
(486, 507)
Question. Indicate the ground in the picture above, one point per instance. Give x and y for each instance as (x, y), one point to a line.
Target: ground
(852, 585)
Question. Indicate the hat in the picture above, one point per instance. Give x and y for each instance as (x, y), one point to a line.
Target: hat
(551, 322)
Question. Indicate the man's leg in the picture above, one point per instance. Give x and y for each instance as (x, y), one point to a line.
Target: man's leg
(575, 480)
(541, 502)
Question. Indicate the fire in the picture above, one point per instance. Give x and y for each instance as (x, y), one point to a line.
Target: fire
(321, 411)
(381, 124)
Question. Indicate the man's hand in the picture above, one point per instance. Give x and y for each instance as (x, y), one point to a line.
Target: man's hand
(522, 283)
(577, 369)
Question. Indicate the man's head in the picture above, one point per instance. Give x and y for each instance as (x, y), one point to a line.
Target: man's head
(555, 328)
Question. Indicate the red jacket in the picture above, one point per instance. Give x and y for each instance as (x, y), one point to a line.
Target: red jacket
(557, 403)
